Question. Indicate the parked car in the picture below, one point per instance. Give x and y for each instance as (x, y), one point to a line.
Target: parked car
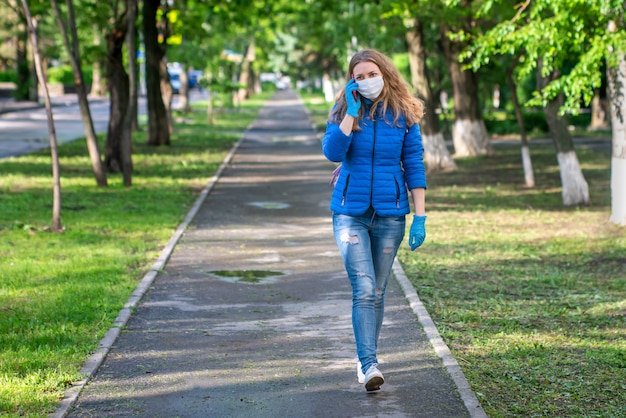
(194, 78)
(174, 69)
(175, 82)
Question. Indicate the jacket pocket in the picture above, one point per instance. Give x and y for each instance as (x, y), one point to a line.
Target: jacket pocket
(345, 191)
(395, 180)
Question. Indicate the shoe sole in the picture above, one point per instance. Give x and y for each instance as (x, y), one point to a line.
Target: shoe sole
(374, 383)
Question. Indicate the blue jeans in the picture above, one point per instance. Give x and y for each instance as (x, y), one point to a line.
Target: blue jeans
(368, 244)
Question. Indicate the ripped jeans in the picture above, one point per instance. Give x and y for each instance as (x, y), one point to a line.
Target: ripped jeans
(368, 244)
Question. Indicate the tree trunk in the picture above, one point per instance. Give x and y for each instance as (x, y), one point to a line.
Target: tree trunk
(245, 76)
(96, 84)
(599, 119)
(167, 92)
(617, 91)
(158, 128)
(138, 73)
(575, 190)
(118, 87)
(183, 94)
(56, 172)
(436, 154)
(96, 70)
(73, 53)
(527, 164)
(25, 89)
(253, 81)
(469, 133)
(127, 131)
(210, 106)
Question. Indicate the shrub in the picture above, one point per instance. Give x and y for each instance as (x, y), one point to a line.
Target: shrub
(65, 76)
(62, 74)
(8, 76)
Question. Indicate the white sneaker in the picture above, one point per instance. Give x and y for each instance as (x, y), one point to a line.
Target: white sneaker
(359, 372)
(373, 378)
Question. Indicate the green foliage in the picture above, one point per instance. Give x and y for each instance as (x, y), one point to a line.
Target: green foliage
(60, 292)
(570, 38)
(506, 123)
(8, 76)
(62, 74)
(401, 62)
(220, 84)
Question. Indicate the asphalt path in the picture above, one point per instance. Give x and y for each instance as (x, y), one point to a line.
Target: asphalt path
(199, 338)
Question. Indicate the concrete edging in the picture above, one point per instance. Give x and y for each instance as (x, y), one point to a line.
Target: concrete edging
(95, 360)
(443, 351)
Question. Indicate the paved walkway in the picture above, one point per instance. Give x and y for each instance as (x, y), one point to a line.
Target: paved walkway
(205, 340)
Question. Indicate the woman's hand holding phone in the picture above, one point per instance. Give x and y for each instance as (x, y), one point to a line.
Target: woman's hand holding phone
(352, 98)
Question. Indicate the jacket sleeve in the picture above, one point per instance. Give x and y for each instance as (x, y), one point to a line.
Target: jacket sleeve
(335, 144)
(413, 158)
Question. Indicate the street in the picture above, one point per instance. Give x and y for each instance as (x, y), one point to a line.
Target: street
(25, 131)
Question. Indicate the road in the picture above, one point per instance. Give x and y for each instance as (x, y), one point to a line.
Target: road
(25, 131)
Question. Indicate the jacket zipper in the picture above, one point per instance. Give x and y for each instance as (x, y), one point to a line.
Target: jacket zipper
(373, 153)
(345, 191)
(397, 194)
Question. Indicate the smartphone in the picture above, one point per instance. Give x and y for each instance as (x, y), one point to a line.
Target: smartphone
(354, 92)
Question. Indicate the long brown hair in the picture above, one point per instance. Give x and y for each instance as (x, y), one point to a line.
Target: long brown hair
(395, 96)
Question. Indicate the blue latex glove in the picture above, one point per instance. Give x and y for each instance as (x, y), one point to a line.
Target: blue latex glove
(353, 103)
(417, 234)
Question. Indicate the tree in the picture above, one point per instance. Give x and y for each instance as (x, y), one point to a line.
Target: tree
(567, 42)
(616, 72)
(436, 155)
(529, 175)
(156, 69)
(469, 133)
(117, 84)
(246, 75)
(129, 117)
(73, 52)
(56, 176)
(575, 189)
(26, 89)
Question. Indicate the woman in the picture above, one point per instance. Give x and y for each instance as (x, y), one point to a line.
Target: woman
(373, 130)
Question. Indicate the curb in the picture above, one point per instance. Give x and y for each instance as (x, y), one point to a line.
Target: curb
(95, 360)
(443, 351)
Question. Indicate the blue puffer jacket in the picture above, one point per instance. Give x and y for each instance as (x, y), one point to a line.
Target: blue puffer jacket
(378, 163)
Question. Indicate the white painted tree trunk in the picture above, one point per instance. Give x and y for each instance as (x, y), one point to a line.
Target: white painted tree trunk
(618, 188)
(527, 163)
(470, 138)
(617, 90)
(436, 154)
(575, 190)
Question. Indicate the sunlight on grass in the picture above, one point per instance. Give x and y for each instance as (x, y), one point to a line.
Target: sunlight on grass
(529, 295)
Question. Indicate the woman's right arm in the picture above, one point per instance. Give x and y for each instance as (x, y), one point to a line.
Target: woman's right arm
(346, 124)
(335, 142)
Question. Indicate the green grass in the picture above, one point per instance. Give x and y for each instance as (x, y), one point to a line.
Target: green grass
(60, 292)
(529, 295)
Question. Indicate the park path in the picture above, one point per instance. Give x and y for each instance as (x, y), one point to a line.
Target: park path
(207, 341)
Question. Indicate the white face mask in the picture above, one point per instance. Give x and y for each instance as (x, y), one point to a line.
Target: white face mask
(370, 88)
